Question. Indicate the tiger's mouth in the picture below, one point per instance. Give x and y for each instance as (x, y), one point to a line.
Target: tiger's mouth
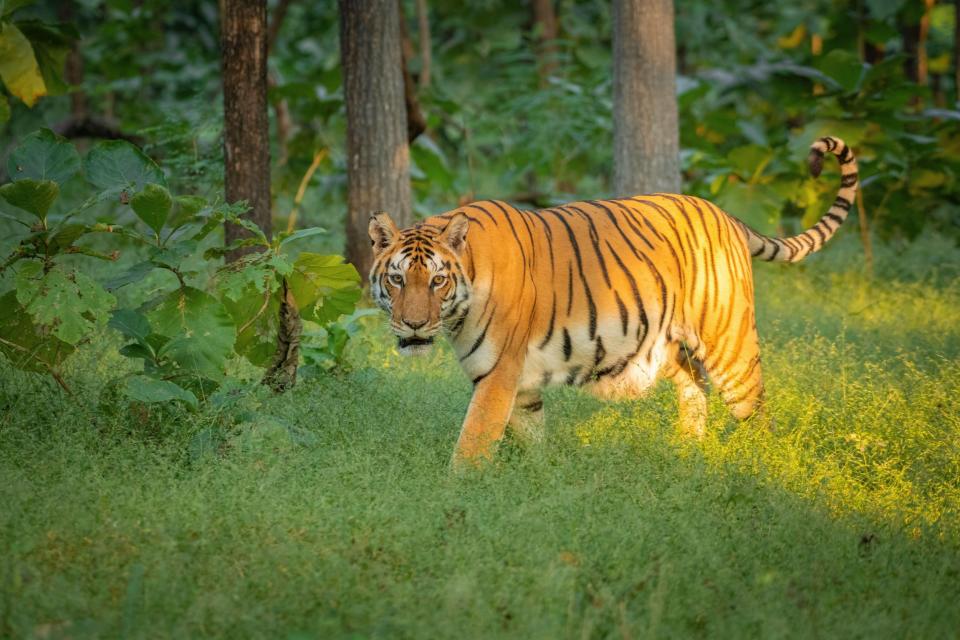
(414, 346)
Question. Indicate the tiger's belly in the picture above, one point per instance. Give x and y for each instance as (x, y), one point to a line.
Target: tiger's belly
(610, 365)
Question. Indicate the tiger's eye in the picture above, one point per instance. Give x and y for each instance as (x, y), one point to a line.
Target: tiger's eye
(396, 279)
(439, 280)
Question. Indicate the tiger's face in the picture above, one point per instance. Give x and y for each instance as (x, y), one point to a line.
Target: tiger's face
(417, 278)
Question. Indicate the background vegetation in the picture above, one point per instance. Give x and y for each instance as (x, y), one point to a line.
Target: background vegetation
(214, 508)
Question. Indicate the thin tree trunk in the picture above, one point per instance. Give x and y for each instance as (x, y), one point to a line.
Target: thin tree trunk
(73, 67)
(922, 65)
(416, 123)
(280, 108)
(646, 146)
(423, 35)
(246, 128)
(545, 22)
(956, 49)
(378, 157)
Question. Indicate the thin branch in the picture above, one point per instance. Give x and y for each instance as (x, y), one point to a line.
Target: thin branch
(302, 189)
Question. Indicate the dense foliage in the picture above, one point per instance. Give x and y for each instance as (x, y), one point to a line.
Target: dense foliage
(183, 328)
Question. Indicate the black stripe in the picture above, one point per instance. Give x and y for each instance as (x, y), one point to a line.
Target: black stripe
(534, 406)
(849, 180)
(480, 339)
(553, 317)
(572, 376)
(832, 216)
(624, 316)
(842, 202)
(595, 241)
(592, 308)
(567, 346)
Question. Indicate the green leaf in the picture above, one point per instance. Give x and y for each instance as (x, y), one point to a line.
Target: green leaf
(324, 286)
(843, 67)
(4, 110)
(72, 305)
(34, 196)
(131, 323)
(302, 233)
(43, 155)
(758, 205)
(201, 332)
(257, 341)
(135, 273)
(51, 44)
(883, 9)
(151, 390)
(65, 236)
(118, 164)
(10, 6)
(187, 208)
(18, 65)
(152, 205)
(26, 345)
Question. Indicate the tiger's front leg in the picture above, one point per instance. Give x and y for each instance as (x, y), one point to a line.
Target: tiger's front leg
(490, 408)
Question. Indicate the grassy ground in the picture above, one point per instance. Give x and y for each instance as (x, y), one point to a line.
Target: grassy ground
(330, 511)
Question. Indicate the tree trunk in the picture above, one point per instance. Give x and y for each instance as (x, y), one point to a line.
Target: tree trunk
(646, 145)
(378, 157)
(246, 128)
(545, 23)
(423, 34)
(956, 49)
(416, 123)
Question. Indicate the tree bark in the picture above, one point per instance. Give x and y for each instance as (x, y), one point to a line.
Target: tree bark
(545, 22)
(423, 35)
(956, 49)
(246, 128)
(378, 157)
(416, 123)
(646, 146)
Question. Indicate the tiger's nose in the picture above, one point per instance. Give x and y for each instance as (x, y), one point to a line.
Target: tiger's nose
(414, 324)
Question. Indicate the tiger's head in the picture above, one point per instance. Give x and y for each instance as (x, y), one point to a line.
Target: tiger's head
(418, 279)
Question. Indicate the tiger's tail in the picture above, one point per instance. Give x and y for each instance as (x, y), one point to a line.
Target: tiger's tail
(798, 247)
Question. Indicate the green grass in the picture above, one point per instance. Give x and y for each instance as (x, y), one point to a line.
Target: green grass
(331, 511)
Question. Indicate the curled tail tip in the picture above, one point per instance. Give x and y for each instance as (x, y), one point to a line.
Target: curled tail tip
(821, 146)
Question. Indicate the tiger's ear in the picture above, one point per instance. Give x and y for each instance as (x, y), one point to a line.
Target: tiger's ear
(382, 231)
(454, 235)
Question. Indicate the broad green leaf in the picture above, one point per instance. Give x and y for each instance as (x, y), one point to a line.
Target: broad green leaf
(136, 273)
(131, 323)
(9, 6)
(18, 65)
(883, 9)
(43, 155)
(187, 207)
(843, 67)
(118, 164)
(201, 332)
(758, 205)
(324, 287)
(152, 205)
(302, 233)
(51, 44)
(65, 236)
(71, 305)
(257, 341)
(26, 345)
(34, 196)
(749, 160)
(151, 390)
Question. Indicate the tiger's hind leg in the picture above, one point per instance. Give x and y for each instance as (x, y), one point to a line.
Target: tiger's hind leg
(527, 420)
(687, 374)
(736, 372)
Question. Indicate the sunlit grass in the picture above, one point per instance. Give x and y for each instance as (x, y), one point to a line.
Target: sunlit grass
(331, 511)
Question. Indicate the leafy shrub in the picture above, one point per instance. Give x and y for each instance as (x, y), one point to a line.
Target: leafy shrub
(182, 335)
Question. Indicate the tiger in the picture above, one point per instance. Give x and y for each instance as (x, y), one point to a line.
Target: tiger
(611, 295)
